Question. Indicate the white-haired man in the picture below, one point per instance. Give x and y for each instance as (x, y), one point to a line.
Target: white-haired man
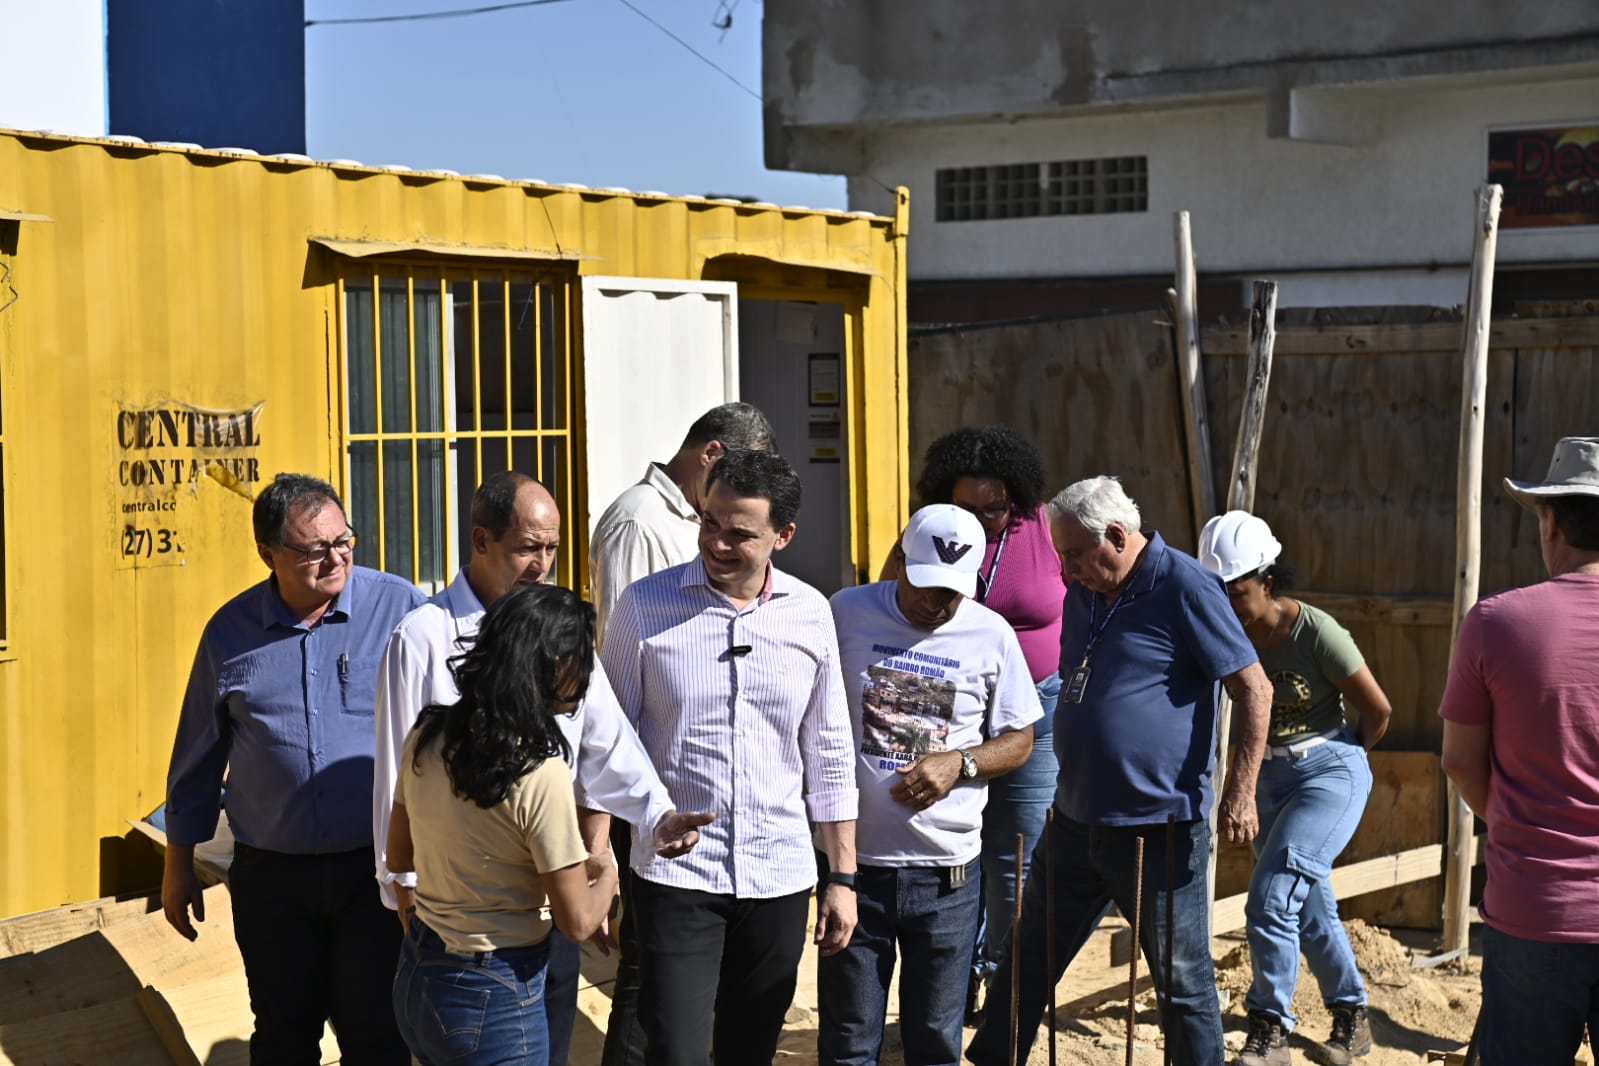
(1521, 742)
(1146, 636)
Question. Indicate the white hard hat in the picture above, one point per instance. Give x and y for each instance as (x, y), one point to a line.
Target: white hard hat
(1237, 544)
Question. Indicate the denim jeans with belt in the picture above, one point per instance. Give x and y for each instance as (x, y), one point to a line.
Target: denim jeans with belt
(1537, 997)
(1093, 866)
(1310, 802)
(1017, 803)
(919, 914)
(486, 1008)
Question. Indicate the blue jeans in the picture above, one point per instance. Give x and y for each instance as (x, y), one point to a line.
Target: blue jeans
(1093, 866)
(915, 910)
(1310, 805)
(485, 1008)
(1536, 998)
(560, 994)
(1017, 803)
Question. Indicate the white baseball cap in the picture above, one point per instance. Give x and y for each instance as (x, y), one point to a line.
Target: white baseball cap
(943, 548)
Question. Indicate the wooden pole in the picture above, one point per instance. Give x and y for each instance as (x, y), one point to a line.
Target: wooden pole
(1191, 390)
(1049, 921)
(1468, 533)
(1241, 497)
(1016, 953)
(1132, 963)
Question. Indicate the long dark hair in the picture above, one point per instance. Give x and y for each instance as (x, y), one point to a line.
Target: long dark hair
(536, 648)
(997, 452)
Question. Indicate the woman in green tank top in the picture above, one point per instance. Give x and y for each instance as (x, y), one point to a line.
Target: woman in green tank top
(1313, 786)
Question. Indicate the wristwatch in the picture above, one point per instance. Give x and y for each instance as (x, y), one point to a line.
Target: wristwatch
(834, 877)
(968, 766)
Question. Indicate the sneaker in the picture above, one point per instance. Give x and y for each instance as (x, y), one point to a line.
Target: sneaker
(1266, 1044)
(1351, 1037)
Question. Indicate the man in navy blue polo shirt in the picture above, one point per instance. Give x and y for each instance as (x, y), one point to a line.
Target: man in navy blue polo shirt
(1147, 635)
(281, 697)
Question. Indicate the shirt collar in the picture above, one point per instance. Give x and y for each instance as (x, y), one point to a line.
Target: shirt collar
(777, 582)
(655, 477)
(462, 604)
(274, 612)
(1150, 568)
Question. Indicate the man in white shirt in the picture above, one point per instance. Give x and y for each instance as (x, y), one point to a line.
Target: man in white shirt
(728, 668)
(941, 699)
(653, 525)
(656, 523)
(516, 530)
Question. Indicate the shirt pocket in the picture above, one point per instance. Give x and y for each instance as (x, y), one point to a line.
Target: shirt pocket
(358, 687)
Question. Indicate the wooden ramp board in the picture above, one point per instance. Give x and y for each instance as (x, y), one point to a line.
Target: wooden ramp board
(115, 1032)
(212, 1019)
(46, 929)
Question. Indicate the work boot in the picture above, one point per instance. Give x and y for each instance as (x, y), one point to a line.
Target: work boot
(1266, 1044)
(1351, 1037)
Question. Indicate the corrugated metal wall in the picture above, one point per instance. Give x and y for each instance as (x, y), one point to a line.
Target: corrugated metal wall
(172, 294)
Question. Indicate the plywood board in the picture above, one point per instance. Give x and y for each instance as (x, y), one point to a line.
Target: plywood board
(1403, 813)
(1096, 395)
(114, 1032)
(46, 929)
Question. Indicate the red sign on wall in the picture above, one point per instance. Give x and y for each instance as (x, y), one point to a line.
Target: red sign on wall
(1550, 176)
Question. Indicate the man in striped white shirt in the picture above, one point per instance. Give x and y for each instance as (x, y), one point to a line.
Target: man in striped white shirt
(728, 668)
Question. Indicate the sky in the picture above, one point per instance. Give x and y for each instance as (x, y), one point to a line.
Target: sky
(581, 91)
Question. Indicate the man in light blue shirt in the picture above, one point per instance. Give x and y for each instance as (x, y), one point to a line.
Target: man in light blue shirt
(281, 698)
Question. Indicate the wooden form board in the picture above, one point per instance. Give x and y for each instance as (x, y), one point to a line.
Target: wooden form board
(1096, 395)
(132, 991)
(1404, 811)
(1357, 461)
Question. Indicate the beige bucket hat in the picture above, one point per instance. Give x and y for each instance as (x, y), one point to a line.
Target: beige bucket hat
(1574, 471)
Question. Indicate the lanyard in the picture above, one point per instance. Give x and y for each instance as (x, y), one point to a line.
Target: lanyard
(1096, 629)
(985, 585)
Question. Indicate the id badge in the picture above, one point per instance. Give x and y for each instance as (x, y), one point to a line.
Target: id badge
(1076, 684)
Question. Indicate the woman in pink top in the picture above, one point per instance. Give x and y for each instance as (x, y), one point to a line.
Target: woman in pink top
(997, 475)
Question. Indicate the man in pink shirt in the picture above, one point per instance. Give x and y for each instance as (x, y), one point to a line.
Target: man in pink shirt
(1521, 742)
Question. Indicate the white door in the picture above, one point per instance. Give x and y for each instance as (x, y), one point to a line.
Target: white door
(657, 354)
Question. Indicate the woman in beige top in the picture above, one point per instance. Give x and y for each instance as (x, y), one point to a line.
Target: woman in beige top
(485, 815)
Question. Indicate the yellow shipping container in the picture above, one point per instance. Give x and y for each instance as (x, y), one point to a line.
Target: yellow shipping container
(177, 325)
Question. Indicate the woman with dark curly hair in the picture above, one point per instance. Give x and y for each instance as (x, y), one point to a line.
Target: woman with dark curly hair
(484, 813)
(996, 474)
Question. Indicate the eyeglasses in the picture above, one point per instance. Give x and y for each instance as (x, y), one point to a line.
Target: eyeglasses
(992, 514)
(318, 554)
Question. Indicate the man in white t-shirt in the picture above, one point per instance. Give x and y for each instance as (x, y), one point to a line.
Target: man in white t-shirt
(941, 699)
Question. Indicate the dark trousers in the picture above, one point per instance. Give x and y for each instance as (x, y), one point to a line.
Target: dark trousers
(1093, 866)
(718, 973)
(318, 946)
(1537, 998)
(624, 1035)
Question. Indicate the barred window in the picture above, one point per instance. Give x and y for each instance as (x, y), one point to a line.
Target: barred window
(451, 376)
(1030, 190)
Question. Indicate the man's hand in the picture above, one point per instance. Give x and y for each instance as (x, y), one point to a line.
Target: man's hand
(1237, 821)
(835, 918)
(927, 780)
(677, 832)
(180, 890)
(596, 867)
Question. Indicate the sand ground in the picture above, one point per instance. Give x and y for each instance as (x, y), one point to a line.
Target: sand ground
(1414, 1010)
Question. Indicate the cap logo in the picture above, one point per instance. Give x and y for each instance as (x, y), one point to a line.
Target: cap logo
(951, 552)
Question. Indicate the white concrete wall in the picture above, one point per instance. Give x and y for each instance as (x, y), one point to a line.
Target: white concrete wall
(54, 64)
(1258, 205)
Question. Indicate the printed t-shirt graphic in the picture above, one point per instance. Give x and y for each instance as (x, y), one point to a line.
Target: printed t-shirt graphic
(904, 715)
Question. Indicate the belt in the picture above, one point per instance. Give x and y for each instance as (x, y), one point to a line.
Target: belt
(1284, 751)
